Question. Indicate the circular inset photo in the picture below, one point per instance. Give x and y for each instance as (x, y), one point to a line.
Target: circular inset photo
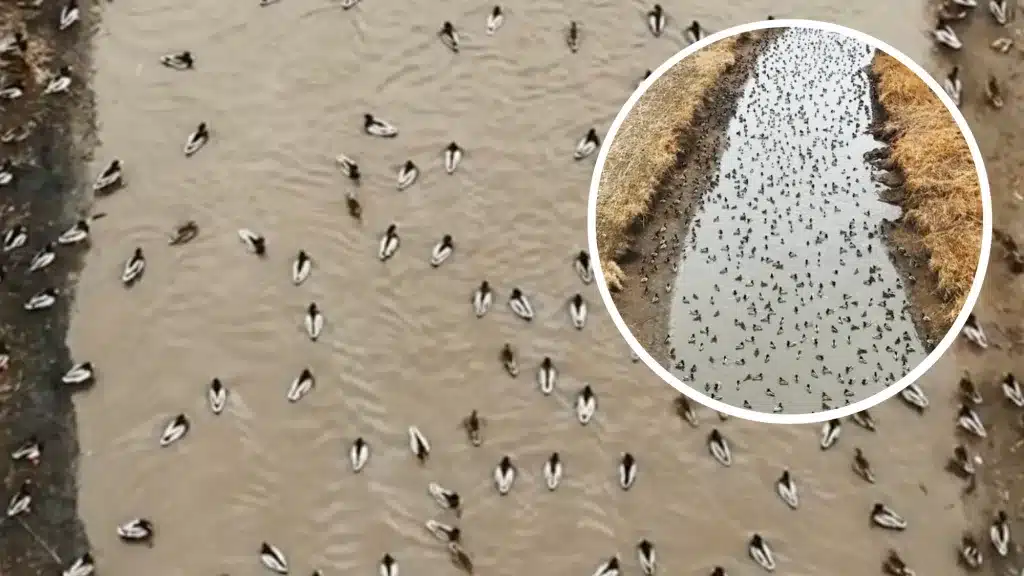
(791, 221)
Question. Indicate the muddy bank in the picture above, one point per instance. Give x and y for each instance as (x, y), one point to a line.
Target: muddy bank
(677, 198)
(44, 197)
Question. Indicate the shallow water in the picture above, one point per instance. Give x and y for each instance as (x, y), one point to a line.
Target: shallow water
(785, 300)
(284, 88)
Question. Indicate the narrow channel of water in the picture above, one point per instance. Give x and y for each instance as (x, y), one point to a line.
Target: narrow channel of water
(786, 300)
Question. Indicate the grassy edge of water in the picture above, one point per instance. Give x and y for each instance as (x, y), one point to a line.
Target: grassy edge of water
(46, 197)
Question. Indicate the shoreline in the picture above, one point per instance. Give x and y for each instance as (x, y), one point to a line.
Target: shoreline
(45, 198)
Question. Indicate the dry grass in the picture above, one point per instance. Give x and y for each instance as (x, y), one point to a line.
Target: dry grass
(942, 193)
(645, 148)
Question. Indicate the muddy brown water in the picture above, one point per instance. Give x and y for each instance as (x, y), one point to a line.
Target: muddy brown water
(284, 88)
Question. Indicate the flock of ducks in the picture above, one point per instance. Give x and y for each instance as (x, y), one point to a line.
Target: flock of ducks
(944, 34)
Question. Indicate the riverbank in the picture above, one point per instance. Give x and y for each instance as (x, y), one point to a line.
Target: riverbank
(664, 158)
(44, 198)
(936, 243)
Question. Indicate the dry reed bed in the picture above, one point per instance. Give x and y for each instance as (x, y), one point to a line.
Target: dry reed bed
(645, 147)
(942, 195)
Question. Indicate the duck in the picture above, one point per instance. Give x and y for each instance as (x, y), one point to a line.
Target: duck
(609, 567)
(445, 498)
(12, 91)
(217, 396)
(482, 299)
(504, 475)
(830, 433)
(5, 356)
(376, 127)
(999, 533)
(349, 4)
(887, 518)
(31, 450)
(442, 251)
(459, 558)
(1000, 11)
(627, 471)
(6, 172)
(572, 37)
(183, 233)
(133, 268)
(974, 333)
(15, 237)
(953, 86)
(19, 133)
(718, 571)
(786, 488)
(178, 60)
(136, 530)
(69, 15)
(79, 374)
(449, 36)
(694, 32)
(418, 444)
(21, 501)
(581, 264)
(968, 391)
(495, 19)
(578, 311)
(520, 305)
(388, 566)
(78, 232)
(453, 156)
(348, 167)
(944, 35)
(914, 396)
(273, 558)
(389, 243)
(895, 566)
(586, 405)
(407, 175)
(684, 409)
(84, 565)
(1012, 390)
(861, 466)
(302, 266)
(175, 430)
(444, 532)
(719, 448)
(359, 454)
(553, 471)
(587, 145)
(473, 425)
(60, 83)
(761, 553)
(314, 321)
(547, 376)
(970, 552)
(995, 97)
(17, 43)
(961, 461)
(647, 557)
(354, 209)
(301, 385)
(110, 177)
(656, 20)
(197, 139)
(966, 3)
(864, 419)
(970, 421)
(42, 300)
(508, 360)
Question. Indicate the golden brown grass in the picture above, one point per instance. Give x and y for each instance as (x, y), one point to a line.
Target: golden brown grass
(942, 192)
(645, 148)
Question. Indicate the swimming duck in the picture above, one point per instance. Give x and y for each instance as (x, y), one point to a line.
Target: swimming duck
(914, 396)
(547, 376)
(183, 233)
(504, 475)
(15, 237)
(459, 558)
(970, 552)
(647, 556)
(19, 133)
(377, 127)
(473, 424)
(719, 448)
(862, 467)
(31, 450)
(449, 36)
(12, 91)
(178, 60)
(444, 532)
(586, 405)
(273, 558)
(389, 243)
(348, 167)
(43, 258)
(995, 97)
(137, 530)
(553, 471)
(578, 311)
(388, 566)
(69, 14)
(301, 385)
(508, 360)
(999, 533)
(78, 232)
(656, 20)
(864, 420)
(694, 33)
(17, 43)
(970, 421)
(452, 156)
(761, 553)
(349, 4)
(966, 3)
(895, 566)
(60, 82)
(217, 396)
(1012, 390)
(42, 300)
(627, 471)
(418, 444)
(442, 250)
(301, 267)
(520, 305)
(6, 172)
(961, 461)
(314, 321)
(81, 373)
(407, 175)
(587, 145)
(21, 501)
(84, 565)
(354, 209)
(685, 410)
(830, 433)
(175, 430)
(887, 518)
(609, 567)
(968, 391)
(109, 177)
(133, 268)
(581, 264)
(5, 356)
(1000, 10)
(944, 35)
(197, 139)
(445, 498)
(786, 488)
(359, 454)
(494, 20)
(572, 37)
(482, 299)
(953, 86)
(718, 571)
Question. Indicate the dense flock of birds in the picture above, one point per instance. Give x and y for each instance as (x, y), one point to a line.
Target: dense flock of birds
(143, 530)
(944, 35)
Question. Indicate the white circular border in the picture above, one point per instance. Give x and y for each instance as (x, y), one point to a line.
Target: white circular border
(907, 380)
